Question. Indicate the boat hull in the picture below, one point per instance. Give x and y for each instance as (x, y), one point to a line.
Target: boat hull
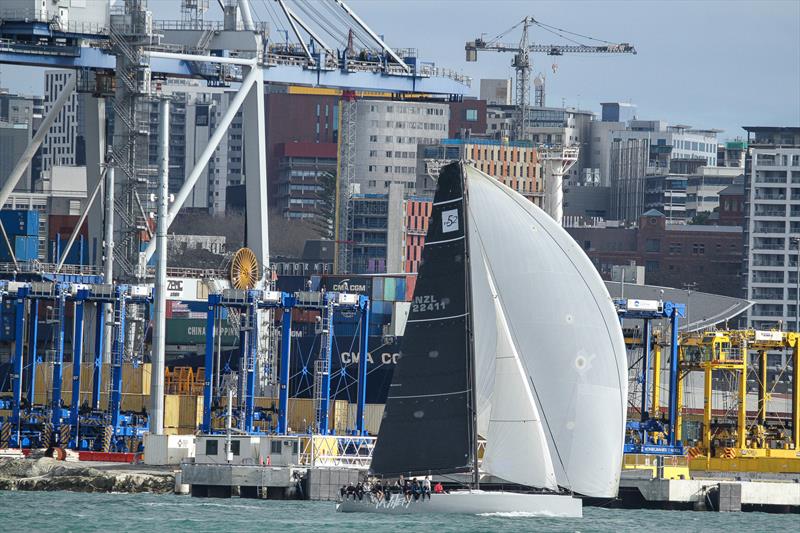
(471, 502)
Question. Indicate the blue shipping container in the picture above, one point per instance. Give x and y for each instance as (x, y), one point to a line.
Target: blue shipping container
(18, 222)
(25, 249)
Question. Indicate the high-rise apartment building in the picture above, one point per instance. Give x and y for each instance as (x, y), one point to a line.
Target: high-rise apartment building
(772, 226)
(388, 134)
(65, 142)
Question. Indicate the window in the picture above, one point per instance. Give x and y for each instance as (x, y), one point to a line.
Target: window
(235, 446)
(675, 247)
(651, 266)
(212, 447)
(276, 446)
(652, 245)
(698, 249)
(471, 115)
(373, 138)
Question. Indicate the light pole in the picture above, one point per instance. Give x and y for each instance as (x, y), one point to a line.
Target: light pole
(796, 242)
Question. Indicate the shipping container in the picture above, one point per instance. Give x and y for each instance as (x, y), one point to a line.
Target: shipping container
(26, 248)
(19, 222)
(192, 331)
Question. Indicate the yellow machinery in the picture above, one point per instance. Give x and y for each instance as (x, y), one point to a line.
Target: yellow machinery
(751, 444)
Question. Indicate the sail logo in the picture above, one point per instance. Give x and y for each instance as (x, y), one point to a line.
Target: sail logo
(450, 221)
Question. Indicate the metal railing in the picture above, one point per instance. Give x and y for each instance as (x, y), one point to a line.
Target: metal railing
(37, 267)
(337, 451)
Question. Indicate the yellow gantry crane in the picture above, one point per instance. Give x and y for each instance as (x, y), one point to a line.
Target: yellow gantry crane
(754, 446)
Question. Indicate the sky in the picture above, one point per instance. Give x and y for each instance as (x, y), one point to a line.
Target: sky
(708, 63)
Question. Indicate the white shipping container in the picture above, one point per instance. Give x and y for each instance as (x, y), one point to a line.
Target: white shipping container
(168, 449)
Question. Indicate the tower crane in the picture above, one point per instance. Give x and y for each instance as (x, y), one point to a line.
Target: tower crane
(522, 59)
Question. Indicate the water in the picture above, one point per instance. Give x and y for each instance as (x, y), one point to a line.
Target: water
(67, 511)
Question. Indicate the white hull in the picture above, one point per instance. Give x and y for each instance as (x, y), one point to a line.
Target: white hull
(470, 502)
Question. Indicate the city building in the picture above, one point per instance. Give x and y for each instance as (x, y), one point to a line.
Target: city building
(496, 92)
(14, 139)
(306, 180)
(619, 123)
(673, 255)
(617, 112)
(195, 111)
(731, 205)
(388, 134)
(731, 154)
(772, 229)
(549, 126)
(515, 164)
(467, 118)
(704, 187)
(18, 111)
(296, 115)
(65, 142)
(418, 211)
(587, 201)
(628, 166)
(377, 231)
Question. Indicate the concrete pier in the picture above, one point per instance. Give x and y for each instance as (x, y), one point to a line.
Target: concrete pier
(267, 482)
(712, 492)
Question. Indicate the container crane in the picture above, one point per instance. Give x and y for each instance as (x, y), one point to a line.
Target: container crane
(522, 61)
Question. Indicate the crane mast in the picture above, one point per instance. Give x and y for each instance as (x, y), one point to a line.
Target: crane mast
(522, 61)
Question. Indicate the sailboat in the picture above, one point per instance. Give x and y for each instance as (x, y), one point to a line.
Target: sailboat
(512, 337)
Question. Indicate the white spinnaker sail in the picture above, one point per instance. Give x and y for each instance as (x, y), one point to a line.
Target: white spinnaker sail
(516, 446)
(485, 339)
(564, 325)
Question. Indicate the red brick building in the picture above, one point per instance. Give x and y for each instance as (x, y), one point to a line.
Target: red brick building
(673, 255)
(291, 118)
(467, 116)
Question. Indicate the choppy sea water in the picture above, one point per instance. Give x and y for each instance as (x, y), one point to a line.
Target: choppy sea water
(66, 511)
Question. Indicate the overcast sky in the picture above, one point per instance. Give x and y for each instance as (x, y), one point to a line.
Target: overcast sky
(711, 64)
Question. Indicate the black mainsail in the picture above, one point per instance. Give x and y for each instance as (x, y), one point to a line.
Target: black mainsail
(428, 424)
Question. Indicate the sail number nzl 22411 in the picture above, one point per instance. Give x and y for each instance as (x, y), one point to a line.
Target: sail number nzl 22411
(428, 302)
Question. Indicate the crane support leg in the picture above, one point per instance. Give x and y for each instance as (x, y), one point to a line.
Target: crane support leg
(16, 367)
(646, 344)
(99, 342)
(796, 395)
(77, 360)
(673, 376)
(741, 432)
(656, 380)
(33, 353)
(209, 373)
(58, 367)
(286, 350)
(363, 359)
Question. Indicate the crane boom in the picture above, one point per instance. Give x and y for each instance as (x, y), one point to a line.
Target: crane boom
(522, 62)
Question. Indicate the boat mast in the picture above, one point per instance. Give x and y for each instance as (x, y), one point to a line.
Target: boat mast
(476, 477)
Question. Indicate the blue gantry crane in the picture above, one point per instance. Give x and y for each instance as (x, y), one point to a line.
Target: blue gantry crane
(72, 425)
(654, 434)
(249, 303)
